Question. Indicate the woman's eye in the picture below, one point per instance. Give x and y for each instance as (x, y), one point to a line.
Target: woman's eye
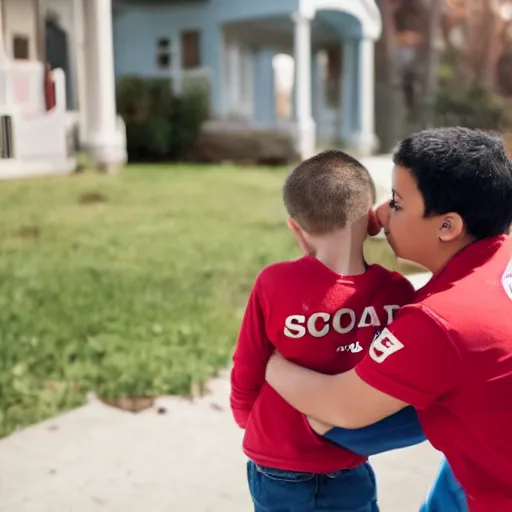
(393, 204)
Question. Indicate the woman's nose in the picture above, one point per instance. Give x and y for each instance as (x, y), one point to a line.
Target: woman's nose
(383, 212)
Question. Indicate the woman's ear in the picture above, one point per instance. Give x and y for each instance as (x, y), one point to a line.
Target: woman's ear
(374, 226)
(451, 226)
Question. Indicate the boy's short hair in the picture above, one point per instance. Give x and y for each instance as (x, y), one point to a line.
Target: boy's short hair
(463, 171)
(328, 191)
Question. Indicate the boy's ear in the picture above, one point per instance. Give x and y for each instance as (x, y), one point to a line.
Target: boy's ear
(299, 236)
(294, 228)
(374, 226)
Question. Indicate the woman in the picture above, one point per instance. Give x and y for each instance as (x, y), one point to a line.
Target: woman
(448, 354)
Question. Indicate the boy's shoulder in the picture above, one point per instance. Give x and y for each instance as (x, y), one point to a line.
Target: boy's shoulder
(290, 268)
(285, 269)
(392, 276)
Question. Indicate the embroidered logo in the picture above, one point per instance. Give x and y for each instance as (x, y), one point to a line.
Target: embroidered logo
(384, 345)
(506, 280)
(353, 347)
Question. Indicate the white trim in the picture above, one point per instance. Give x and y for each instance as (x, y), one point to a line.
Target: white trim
(364, 10)
(19, 169)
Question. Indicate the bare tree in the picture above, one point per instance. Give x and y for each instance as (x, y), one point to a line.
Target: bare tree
(432, 61)
(390, 108)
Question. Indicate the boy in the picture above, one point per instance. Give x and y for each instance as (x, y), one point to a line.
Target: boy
(320, 311)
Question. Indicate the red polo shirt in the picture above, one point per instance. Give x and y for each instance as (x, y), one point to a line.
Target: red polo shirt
(449, 354)
(318, 319)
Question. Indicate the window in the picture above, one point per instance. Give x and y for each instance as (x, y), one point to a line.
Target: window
(334, 73)
(163, 43)
(163, 53)
(20, 47)
(163, 61)
(190, 49)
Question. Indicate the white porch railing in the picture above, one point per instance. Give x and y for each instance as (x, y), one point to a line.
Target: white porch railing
(183, 80)
(22, 87)
(33, 140)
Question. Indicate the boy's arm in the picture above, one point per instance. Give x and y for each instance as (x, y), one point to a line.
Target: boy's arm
(250, 359)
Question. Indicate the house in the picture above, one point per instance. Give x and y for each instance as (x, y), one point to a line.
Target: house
(58, 71)
(57, 86)
(242, 51)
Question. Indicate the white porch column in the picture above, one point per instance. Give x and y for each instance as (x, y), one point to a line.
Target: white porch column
(3, 52)
(105, 144)
(5, 82)
(366, 139)
(349, 91)
(234, 71)
(318, 84)
(357, 100)
(176, 64)
(306, 137)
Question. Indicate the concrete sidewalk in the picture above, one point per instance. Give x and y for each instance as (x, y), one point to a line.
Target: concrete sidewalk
(185, 460)
(179, 456)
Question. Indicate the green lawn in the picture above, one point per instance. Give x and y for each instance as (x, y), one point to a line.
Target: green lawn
(129, 285)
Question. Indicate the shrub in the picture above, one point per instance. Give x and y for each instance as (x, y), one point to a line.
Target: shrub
(244, 146)
(149, 139)
(159, 125)
(473, 107)
(186, 119)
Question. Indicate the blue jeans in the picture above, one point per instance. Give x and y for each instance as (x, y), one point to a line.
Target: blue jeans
(349, 490)
(446, 495)
(398, 431)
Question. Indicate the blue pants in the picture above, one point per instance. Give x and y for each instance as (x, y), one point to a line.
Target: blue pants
(446, 495)
(399, 431)
(349, 490)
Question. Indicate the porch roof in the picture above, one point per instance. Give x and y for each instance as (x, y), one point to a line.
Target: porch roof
(327, 30)
(355, 18)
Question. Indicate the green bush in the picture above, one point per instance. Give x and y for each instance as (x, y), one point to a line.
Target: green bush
(159, 125)
(473, 107)
(149, 139)
(187, 116)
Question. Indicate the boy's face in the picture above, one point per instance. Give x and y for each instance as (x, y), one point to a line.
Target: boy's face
(412, 236)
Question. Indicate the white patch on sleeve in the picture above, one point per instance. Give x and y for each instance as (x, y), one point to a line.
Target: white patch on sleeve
(385, 345)
(506, 280)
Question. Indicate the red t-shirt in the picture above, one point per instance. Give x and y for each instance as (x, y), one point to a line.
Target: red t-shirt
(320, 320)
(449, 354)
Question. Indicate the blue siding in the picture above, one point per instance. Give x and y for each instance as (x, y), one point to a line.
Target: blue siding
(137, 29)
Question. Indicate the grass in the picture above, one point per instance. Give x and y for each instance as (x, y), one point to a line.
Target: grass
(132, 285)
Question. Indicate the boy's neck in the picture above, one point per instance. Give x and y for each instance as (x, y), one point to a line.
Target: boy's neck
(342, 255)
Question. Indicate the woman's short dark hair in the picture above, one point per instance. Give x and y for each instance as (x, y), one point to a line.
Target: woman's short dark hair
(463, 171)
